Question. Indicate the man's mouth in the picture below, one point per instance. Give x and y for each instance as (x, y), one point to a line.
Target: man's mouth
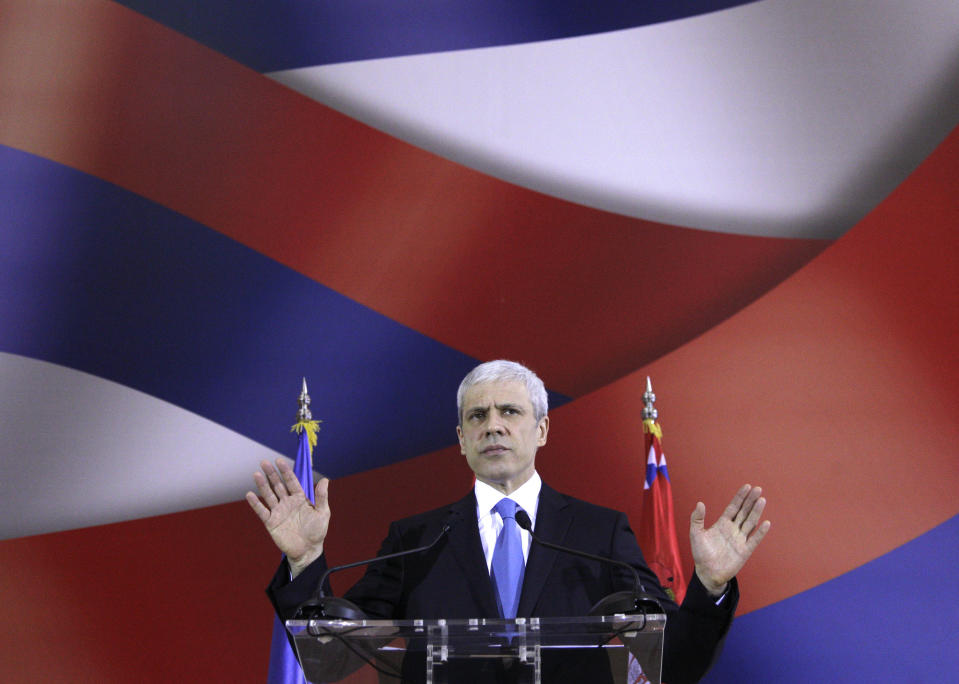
(494, 449)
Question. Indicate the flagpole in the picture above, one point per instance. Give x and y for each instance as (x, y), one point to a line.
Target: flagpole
(284, 667)
(657, 530)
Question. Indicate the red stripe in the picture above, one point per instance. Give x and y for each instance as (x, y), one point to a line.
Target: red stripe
(836, 392)
(94, 604)
(483, 266)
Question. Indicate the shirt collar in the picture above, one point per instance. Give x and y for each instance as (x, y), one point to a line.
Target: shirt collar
(527, 496)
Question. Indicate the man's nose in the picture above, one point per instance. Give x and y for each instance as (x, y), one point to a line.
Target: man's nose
(495, 427)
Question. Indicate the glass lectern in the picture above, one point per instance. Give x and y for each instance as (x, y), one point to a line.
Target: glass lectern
(590, 650)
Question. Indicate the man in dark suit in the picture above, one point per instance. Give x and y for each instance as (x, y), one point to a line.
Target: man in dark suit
(502, 422)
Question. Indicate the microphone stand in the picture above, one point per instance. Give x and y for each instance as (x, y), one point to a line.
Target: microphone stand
(635, 601)
(321, 606)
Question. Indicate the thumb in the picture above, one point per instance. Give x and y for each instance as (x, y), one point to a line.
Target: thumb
(697, 518)
(321, 492)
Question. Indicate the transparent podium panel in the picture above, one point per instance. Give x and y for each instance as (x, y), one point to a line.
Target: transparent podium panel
(590, 650)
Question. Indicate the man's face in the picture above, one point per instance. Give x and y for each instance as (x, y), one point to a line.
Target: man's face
(499, 434)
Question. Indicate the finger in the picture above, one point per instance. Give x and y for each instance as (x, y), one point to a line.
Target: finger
(697, 518)
(748, 505)
(267, 468)
(736, 505)
(757, 536)
(276, 479)
(755, 513)
(321, 493)
(266, 491)
(262, 512)
(290, 481)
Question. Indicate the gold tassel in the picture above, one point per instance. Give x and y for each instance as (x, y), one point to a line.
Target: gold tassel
(312, 427)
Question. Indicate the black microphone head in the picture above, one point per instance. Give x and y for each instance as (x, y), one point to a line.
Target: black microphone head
(522, 519)
(328, 608)
(628, 602)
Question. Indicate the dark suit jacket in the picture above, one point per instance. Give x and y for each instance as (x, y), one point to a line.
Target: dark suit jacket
(451, 579)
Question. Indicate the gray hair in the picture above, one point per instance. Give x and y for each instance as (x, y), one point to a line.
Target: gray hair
(505, 371)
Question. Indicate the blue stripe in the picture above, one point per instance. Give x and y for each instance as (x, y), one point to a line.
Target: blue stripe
(267, 35)
(95, 278)
(663, 471)
(891, 620)
(650, 474)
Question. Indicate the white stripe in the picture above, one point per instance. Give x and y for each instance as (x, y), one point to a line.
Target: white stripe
(777, 118)
(650, 461)
(78, 450)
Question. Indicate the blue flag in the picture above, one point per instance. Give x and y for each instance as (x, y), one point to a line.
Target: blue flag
(284, 667)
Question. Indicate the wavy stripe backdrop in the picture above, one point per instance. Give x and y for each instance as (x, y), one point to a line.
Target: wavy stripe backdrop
(183, 184)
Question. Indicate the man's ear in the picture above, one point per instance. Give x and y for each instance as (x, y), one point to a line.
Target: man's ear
(543, 429)
(459, 436)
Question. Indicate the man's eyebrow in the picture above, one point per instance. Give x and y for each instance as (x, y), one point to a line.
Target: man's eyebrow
(509, 405)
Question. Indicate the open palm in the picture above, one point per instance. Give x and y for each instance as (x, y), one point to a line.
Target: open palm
(297, 527)
(721, 550)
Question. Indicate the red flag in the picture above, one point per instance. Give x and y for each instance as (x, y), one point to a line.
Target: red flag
(657, 529)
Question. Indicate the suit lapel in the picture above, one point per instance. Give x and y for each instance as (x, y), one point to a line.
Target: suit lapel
(464, 542)
(552, 522)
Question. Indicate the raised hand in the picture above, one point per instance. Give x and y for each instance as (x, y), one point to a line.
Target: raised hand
(298, 528)
(721, 551)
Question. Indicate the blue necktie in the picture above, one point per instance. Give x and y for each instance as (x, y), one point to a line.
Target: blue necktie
(508, 565)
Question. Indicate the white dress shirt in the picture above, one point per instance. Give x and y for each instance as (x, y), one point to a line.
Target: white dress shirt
(490, 523)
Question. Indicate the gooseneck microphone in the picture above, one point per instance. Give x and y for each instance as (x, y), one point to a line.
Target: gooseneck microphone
(636, 600)
(321, 606)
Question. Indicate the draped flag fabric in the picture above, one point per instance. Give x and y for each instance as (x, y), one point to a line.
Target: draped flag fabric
(176, 174)
(635, 674)
(657, 529)
(284, 667)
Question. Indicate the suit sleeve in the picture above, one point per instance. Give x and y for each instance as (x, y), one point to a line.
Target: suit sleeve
(377, 594)
(286, 595)
(696, 630)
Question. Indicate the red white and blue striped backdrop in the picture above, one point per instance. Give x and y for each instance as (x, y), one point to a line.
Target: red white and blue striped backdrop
(201, 203)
